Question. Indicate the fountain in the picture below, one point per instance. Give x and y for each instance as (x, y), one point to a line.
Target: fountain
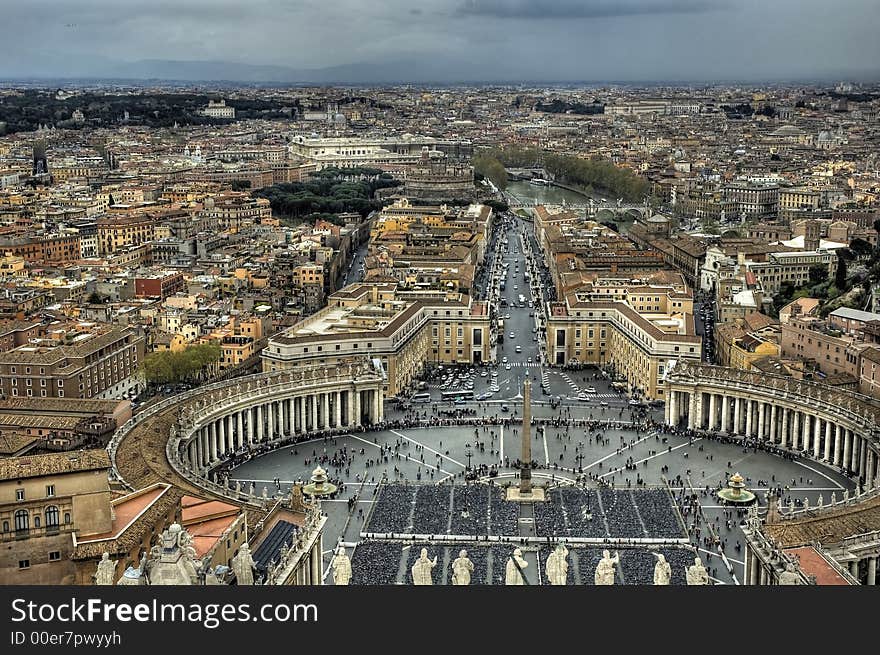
(319, 486)
(736, 492)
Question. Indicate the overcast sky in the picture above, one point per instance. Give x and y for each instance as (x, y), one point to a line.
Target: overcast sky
(468, 39)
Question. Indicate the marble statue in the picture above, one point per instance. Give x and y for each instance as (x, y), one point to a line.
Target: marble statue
(845, 495)
(514, 571)
(791, 505)
(605, 568)
(697, 574)
(557, 565)
(421, 570)
(106, 572)
(462, 568)
(788, 576)
(833, 497)
(662, 571)
(341, 567)
(243, 566)
(806, 503)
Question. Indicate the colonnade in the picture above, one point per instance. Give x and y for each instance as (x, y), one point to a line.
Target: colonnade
(255, 421)
(834, 440)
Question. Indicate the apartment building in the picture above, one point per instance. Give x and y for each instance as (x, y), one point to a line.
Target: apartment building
(82, 363)
(403, 329)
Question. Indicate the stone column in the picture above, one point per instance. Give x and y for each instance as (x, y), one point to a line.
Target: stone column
(749, 404)
(325, 406)
(827, 457)
(872, 571)
(774, 431)
(854, 569)
(862, 457)
(337, 408)
(316, 564)
(692, 410)
(805, 434)
(737, 414)
(817, 437)
(762, 409)
(270, 420)
(213, 441)
(281, 418)
(671, 408)
(357, 406)
(239, 424)
(847, 449)
(725, 407)
(223, 445)
(838, 445)
(259, 423)
(712, 411)
(783, 438)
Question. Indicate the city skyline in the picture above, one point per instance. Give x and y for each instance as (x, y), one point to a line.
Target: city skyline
(447, 41)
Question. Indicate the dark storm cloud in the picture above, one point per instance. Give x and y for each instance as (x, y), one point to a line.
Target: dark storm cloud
(448, 39)
(556, 9)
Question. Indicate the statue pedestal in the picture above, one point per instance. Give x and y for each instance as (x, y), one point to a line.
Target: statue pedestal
(514, 495)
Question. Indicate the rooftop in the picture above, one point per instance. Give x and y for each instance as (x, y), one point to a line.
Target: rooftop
(34, 466)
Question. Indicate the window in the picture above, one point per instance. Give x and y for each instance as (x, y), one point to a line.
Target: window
(22, 521)
(24, 564)
(37, 521)
(5, 526)
(52, 517)
(55, 556)
(19, 494)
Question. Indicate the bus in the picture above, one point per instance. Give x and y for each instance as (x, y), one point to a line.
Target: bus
(500, 331)
(421, 398)
(461, 394)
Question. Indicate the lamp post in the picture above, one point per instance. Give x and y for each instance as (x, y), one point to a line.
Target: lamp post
(468, 453)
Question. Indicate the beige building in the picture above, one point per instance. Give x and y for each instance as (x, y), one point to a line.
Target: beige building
(404, 330)
(637, 331)
(44, 501)
(810, 338)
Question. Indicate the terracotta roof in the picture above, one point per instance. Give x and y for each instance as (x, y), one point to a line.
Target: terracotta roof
(828, 526)
(133, 534)
(34, 466)
(812, 563)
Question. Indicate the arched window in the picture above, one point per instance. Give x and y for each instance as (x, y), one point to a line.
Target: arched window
(66, 518)
(22, 521)
(5, 526)
(51, 516)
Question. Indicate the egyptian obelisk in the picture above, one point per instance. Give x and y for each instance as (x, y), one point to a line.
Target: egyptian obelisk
(525, 475)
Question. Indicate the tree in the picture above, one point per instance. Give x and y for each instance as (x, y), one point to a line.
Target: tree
(491, 168)
(840, 273)
(497, 206)
(193, 364)
(861, 248)
(818, 273)
(241, 185)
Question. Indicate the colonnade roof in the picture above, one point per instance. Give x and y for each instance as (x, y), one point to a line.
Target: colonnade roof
(689, 372)
(828, 525)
